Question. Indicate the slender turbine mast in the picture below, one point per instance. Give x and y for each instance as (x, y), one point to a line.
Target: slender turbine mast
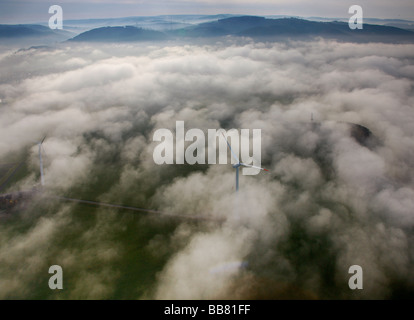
(239, 164)
(42, 178)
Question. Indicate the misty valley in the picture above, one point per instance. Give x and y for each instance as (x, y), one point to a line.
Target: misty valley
(119, 165)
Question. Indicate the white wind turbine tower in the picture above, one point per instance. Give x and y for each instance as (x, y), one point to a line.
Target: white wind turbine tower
(42, 178)
(239, 164)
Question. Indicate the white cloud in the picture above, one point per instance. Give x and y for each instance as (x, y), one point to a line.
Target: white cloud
(326, 196)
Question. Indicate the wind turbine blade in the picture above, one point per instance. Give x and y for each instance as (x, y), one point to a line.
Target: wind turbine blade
(228, 144)
(250, 166)
(43, 139)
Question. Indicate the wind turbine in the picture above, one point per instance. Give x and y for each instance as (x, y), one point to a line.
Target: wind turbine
(239, 164)
(42, 178)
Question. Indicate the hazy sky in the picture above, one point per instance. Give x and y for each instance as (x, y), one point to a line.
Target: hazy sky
(37, 10)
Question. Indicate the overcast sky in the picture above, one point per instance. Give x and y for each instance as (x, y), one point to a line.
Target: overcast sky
(37, 10)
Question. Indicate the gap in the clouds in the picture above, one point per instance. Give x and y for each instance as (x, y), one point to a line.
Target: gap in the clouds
(89, 242)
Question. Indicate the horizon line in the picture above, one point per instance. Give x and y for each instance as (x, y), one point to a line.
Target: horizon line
(208, 15)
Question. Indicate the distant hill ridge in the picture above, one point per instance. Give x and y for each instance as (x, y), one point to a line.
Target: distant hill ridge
(262, 27)
(243, 26)
(24, 30)
(255, 27)
(119, 34)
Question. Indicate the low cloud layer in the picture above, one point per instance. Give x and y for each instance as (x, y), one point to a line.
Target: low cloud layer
(327, 203)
